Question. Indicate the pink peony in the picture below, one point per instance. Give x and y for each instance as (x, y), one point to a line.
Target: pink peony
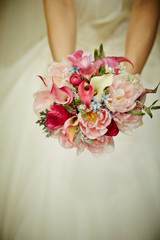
(59, 73)
(57, 117)
(126, 122)
(41, 101)
(124, 94)
(101, 145)
(95, 125)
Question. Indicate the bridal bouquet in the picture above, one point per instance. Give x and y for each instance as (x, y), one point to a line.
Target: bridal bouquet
(87, 99)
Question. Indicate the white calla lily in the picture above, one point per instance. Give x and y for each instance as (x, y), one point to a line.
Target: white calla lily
(100, 83)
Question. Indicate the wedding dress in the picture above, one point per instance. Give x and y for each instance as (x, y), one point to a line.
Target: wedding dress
(47, 192)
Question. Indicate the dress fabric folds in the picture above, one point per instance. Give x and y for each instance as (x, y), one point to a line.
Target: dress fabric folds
(49, 193)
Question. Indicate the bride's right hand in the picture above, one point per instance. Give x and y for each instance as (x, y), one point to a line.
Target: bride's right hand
(61, 25)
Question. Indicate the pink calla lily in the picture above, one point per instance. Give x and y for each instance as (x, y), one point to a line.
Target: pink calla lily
(42, 80)
(70, 128)
(86, 92)
(63, 95)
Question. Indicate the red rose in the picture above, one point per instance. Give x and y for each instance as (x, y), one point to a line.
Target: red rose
(57, 117)
(112, 129)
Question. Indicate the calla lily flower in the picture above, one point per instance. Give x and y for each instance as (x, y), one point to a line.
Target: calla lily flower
(100, 83)
(86, 92)
(70, 128)
(63, 95)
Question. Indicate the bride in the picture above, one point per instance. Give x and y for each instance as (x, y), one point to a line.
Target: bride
(47, 192)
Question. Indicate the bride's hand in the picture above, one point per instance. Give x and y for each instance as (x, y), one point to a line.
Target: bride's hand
(61, 26)
(141, 33)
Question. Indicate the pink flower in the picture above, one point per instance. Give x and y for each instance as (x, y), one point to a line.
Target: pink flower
(123, 94)
(75, 79)
(63, 95)
(126, 122)
(95, 125)
(57, 117)
(58, 73)
(101, 145)
(86, 92)
(83, 61)
(75, 57)
(41, 101)
(112, 129)
(70, 128)
(112, 62)
(63, 140)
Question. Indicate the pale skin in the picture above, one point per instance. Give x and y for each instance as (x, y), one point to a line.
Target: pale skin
(142, 29)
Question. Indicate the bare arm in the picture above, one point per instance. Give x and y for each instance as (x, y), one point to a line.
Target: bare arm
(61, 26)
(141, 32)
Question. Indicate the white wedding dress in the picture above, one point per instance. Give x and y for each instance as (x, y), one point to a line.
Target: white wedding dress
(47, 192)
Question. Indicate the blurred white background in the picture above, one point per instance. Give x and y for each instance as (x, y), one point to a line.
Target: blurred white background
(22, 24)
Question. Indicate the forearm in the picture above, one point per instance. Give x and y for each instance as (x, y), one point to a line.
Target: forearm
(141, 33)
(61, 26)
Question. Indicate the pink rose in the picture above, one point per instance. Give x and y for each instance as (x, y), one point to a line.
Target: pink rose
(124, 94)
(41, 101)
(95, 125)
(126, 122)
(112, 129)
(59, 73)
(101, 145)
(75, 79)
(57, 117)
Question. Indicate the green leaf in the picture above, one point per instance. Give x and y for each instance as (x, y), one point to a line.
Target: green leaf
(155, 107)
(78, 101)
(134, 112)
(102, 71)
(147, 110)
(68, 108)
(101, 51)
(154, 102)
(106, 91)
(83, 112)
(96, 57)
